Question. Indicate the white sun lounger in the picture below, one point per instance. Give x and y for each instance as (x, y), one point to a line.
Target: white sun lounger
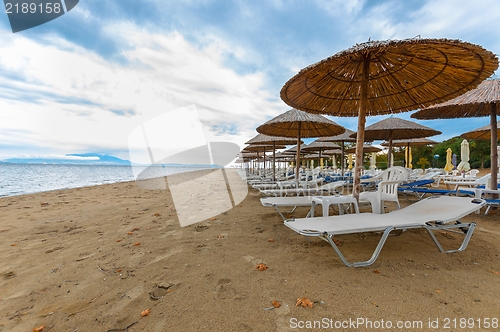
(329, 188)
(432, 214)
(294, 202)
(310, 201)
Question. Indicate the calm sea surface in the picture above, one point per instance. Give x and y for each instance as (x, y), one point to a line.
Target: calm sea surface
(20, 179)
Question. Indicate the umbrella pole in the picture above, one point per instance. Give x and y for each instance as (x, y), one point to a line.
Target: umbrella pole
(360, 137)
(256, 165)
(319, 159)
(389, 153)
(297, 176)
(264, 161)
(494, 151)
(407, 156)
(342, 160)
(274, 162)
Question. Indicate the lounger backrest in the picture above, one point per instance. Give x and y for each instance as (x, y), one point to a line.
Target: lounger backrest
(484, 180)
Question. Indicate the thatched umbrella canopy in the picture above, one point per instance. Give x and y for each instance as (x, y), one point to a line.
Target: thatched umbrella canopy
(410, 142)
(482, 101)
(319, 146)
(262, 148)
(332, 152)
(293, 149)
(396, 128)
(271, 140)
(382, 77)
(481, 133)
(342, 139)
(295, 123)
(248, 156)
(262, 139)
(311, 156)
(366, 149)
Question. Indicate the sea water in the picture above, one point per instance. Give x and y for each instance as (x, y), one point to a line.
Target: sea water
(20, 179)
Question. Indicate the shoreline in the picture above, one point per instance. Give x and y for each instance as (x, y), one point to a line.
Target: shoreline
(94, 258)
(101, 182)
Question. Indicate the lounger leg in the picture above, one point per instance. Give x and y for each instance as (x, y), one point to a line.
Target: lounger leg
(281, 214)
(465, 242)
(375, 254)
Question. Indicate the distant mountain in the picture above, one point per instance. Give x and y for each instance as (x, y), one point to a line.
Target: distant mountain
(103, 158)
(73, 159)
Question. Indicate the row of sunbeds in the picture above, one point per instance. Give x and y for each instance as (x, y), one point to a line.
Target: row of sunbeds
(433, 214)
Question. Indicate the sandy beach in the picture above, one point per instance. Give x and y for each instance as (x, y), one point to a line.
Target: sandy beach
(95, 258)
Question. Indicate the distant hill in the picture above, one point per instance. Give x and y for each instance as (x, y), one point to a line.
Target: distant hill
(73, 159)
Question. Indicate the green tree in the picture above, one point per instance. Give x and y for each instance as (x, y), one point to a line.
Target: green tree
(479, 153)
(423, 162)
(440, 149)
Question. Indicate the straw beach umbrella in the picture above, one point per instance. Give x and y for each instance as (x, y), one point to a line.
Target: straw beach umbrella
(410, 142)
(481, 133)
(383, 77)
(342, 138)
(299, 124)
(263, 148)
(320, 146)
(366, 149)
(480, 102)
(271, 140)
(396, 128)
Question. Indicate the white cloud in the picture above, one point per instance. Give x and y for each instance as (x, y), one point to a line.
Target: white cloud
(166, 72)
(340, 7)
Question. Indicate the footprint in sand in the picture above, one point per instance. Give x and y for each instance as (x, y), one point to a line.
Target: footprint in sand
(224, 289)
(160, 291)
(125, 300)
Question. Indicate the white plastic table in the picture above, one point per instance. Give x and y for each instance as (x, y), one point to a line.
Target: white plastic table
(326, 201)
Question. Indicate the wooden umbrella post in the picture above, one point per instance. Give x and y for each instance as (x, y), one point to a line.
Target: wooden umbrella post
(274, 161)
(264, 161)
(389, 153)
(342, 160)
(297, 176)
(407, 155)
(361, 128)
(494, 151)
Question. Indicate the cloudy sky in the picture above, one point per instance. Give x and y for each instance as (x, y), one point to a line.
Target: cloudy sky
(95, 77)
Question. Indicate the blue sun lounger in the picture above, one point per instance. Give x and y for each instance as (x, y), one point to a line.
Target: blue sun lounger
(415, 184)
(420, 192)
